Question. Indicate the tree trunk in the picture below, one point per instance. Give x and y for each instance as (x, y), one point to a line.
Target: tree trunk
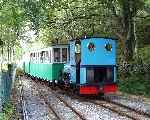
(130, 41)
(136, 41)
(8, 53)
(129, 29)
(2, 56)
(10, 50)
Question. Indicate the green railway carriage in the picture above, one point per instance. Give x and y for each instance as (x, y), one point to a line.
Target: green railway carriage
(46, 63)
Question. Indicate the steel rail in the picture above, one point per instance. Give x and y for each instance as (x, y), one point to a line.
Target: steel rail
(105, 103)
(50, 107)
(130, 108)
(74, 110)
(24, 112)
(67, 104)
(46, 101)
(121, 110)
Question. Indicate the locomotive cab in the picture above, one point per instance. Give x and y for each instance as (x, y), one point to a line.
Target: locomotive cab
(93, 65)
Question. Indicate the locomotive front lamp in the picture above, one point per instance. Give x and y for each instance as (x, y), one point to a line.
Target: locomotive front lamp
(77, 48)
(108, 47)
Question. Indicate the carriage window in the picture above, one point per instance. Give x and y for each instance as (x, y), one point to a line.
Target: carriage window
(41, 56)
(56, 54)
(34, 57)
(64, 54)
(38, 56)
(30, 56)
(46, 57)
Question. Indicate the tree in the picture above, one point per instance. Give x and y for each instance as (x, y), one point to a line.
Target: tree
(61, 20)
(10, 21)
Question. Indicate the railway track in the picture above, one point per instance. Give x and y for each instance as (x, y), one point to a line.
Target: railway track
(24, 111)
(130, 108)
(50, 107)
(119, 109)
(68, 105)
(62, 100)
(25, 115)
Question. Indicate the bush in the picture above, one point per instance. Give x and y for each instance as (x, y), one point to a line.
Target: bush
(19, 72)
(8, 110)
(137, 84)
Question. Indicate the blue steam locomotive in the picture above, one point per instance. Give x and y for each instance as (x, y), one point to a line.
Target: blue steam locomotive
(91, 69)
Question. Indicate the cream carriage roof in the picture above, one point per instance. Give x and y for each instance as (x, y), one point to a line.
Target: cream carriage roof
(50, 47)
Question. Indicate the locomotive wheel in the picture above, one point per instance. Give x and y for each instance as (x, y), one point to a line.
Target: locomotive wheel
(49, 83)
(53, 85)
(56, 82)
(100, 95)
(76, 91)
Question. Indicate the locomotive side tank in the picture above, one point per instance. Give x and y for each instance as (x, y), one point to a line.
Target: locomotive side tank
(93, 65)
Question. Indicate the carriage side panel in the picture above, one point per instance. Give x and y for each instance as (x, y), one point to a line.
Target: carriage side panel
(57, 69)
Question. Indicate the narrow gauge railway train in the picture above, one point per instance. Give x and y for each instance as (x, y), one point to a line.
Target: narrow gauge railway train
(88, 66)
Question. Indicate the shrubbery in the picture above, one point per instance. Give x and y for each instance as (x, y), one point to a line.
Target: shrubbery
(19, 72)
(135, 79)
(7, 113)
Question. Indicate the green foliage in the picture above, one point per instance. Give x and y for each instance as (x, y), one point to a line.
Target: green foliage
(2, 116)
(7, 111)
(144, 53)
(61, 20)
(135, 84)
(1, 42)
(8, 108)
(137, 81)
(11, 20)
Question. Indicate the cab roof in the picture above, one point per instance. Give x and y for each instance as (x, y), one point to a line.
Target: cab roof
(88, 37)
